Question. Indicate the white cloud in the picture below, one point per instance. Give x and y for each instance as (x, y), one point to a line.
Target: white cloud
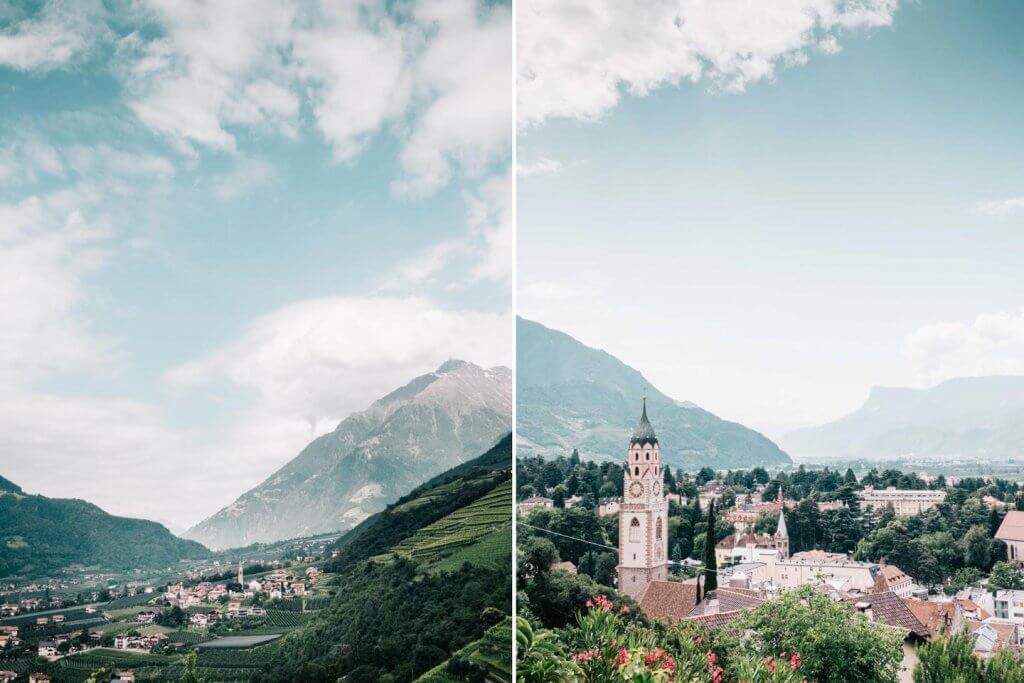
(488, 243)
(992, 345)
(577, 57)
(464, 76)
(55, 36)
(541, 166)
(1000, 207)
(324, 358)
(246, 176)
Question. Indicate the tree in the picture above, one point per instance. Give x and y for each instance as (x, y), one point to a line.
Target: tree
(948, 658)
(558, 498)
(977, 547)
(710, 564)
(835, 643)
(1005, 575)
(677, 558)
(189, 675)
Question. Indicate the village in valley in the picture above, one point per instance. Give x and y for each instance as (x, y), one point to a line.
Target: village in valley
(922, 556)
(145, 627)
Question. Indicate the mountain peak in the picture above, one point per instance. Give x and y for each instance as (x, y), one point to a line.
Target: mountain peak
(451, 365)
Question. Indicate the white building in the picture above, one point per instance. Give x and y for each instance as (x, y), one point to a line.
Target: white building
(904, 502)
(1009, 605)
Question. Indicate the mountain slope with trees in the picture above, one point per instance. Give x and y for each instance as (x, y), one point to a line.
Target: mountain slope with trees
(41, 536)
(572, 396)
(401, 613)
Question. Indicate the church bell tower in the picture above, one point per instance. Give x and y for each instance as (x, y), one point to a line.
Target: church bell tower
(643, 516)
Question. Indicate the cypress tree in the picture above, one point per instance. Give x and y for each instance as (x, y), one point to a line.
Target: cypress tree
(710, 566)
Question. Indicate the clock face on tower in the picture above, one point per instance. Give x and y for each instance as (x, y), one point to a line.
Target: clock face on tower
(636, 489)
(657, 488)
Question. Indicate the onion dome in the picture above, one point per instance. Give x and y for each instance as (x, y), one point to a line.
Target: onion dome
(644, 432)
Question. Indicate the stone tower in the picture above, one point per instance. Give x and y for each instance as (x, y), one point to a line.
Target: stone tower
(241, 576)
(643, 517)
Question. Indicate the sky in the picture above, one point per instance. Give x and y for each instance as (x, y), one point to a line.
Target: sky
(226, 226)
(769, 208)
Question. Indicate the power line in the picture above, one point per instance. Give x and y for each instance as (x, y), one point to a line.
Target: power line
(608, 547)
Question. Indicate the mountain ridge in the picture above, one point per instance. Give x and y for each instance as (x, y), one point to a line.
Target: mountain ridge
(972, 417)
(412, 433)
(574, 396)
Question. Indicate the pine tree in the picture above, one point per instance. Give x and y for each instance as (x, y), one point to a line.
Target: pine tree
(710, 565)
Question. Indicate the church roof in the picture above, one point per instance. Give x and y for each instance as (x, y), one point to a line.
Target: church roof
(644, 432)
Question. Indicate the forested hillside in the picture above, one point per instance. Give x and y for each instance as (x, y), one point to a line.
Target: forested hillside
(419, 581)
(42, 536)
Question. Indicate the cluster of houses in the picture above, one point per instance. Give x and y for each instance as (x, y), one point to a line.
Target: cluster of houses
(125, 641)
(754, 568)
(9, 636)
(278, 584)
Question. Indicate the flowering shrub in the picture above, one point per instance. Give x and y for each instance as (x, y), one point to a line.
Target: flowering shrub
(608, 645)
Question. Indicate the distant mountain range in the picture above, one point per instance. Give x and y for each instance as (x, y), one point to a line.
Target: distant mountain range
(417, 581)
(434, 422)
(977, 418)
(573, 396)
(41, 536)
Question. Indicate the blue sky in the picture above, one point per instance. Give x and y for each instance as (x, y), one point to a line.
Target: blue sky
(224, 228)
(771, 250)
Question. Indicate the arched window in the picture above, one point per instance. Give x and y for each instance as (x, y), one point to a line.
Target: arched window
(636, 471)
(634, 531)
(657, 529)
(647, 456)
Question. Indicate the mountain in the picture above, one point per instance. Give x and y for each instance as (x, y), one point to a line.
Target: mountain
(432, 423)
(573, 396)
(419, 581)
(978, 418)
(41, 536)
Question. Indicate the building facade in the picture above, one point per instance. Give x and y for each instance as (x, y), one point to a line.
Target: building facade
(904, 502)
(643, 515)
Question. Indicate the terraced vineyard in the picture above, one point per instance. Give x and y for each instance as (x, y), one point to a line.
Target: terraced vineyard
(480, 533)
(130, 601)
(77, 668)
(287, 618)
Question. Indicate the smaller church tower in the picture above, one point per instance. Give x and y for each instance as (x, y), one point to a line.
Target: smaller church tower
(781, 537)
(241, 576)
(643, 516)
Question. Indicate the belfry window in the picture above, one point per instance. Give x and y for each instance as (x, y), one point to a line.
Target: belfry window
(636, 471)
(634, 531)
(657, 530)
(647, 456)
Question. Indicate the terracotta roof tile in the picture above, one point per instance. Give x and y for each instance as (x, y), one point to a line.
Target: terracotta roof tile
(669, 600)
(889, 609)
(716, 620)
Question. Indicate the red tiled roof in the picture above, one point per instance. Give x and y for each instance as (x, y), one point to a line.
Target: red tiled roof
(669, 600)
(890, 609)
(716, 620)
(936, 616)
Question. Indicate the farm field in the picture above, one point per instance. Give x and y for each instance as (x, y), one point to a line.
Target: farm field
(238, 642)
(480, 533)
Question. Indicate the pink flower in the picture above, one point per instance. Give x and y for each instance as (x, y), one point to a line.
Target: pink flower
(624, 610)
(717, 674)
(712, 659)
(586, 656)
(588, 604)
(795, 662)
(623, 657)
(698, 640)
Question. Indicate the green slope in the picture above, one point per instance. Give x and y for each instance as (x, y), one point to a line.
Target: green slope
(42, 536)
(416, 582)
